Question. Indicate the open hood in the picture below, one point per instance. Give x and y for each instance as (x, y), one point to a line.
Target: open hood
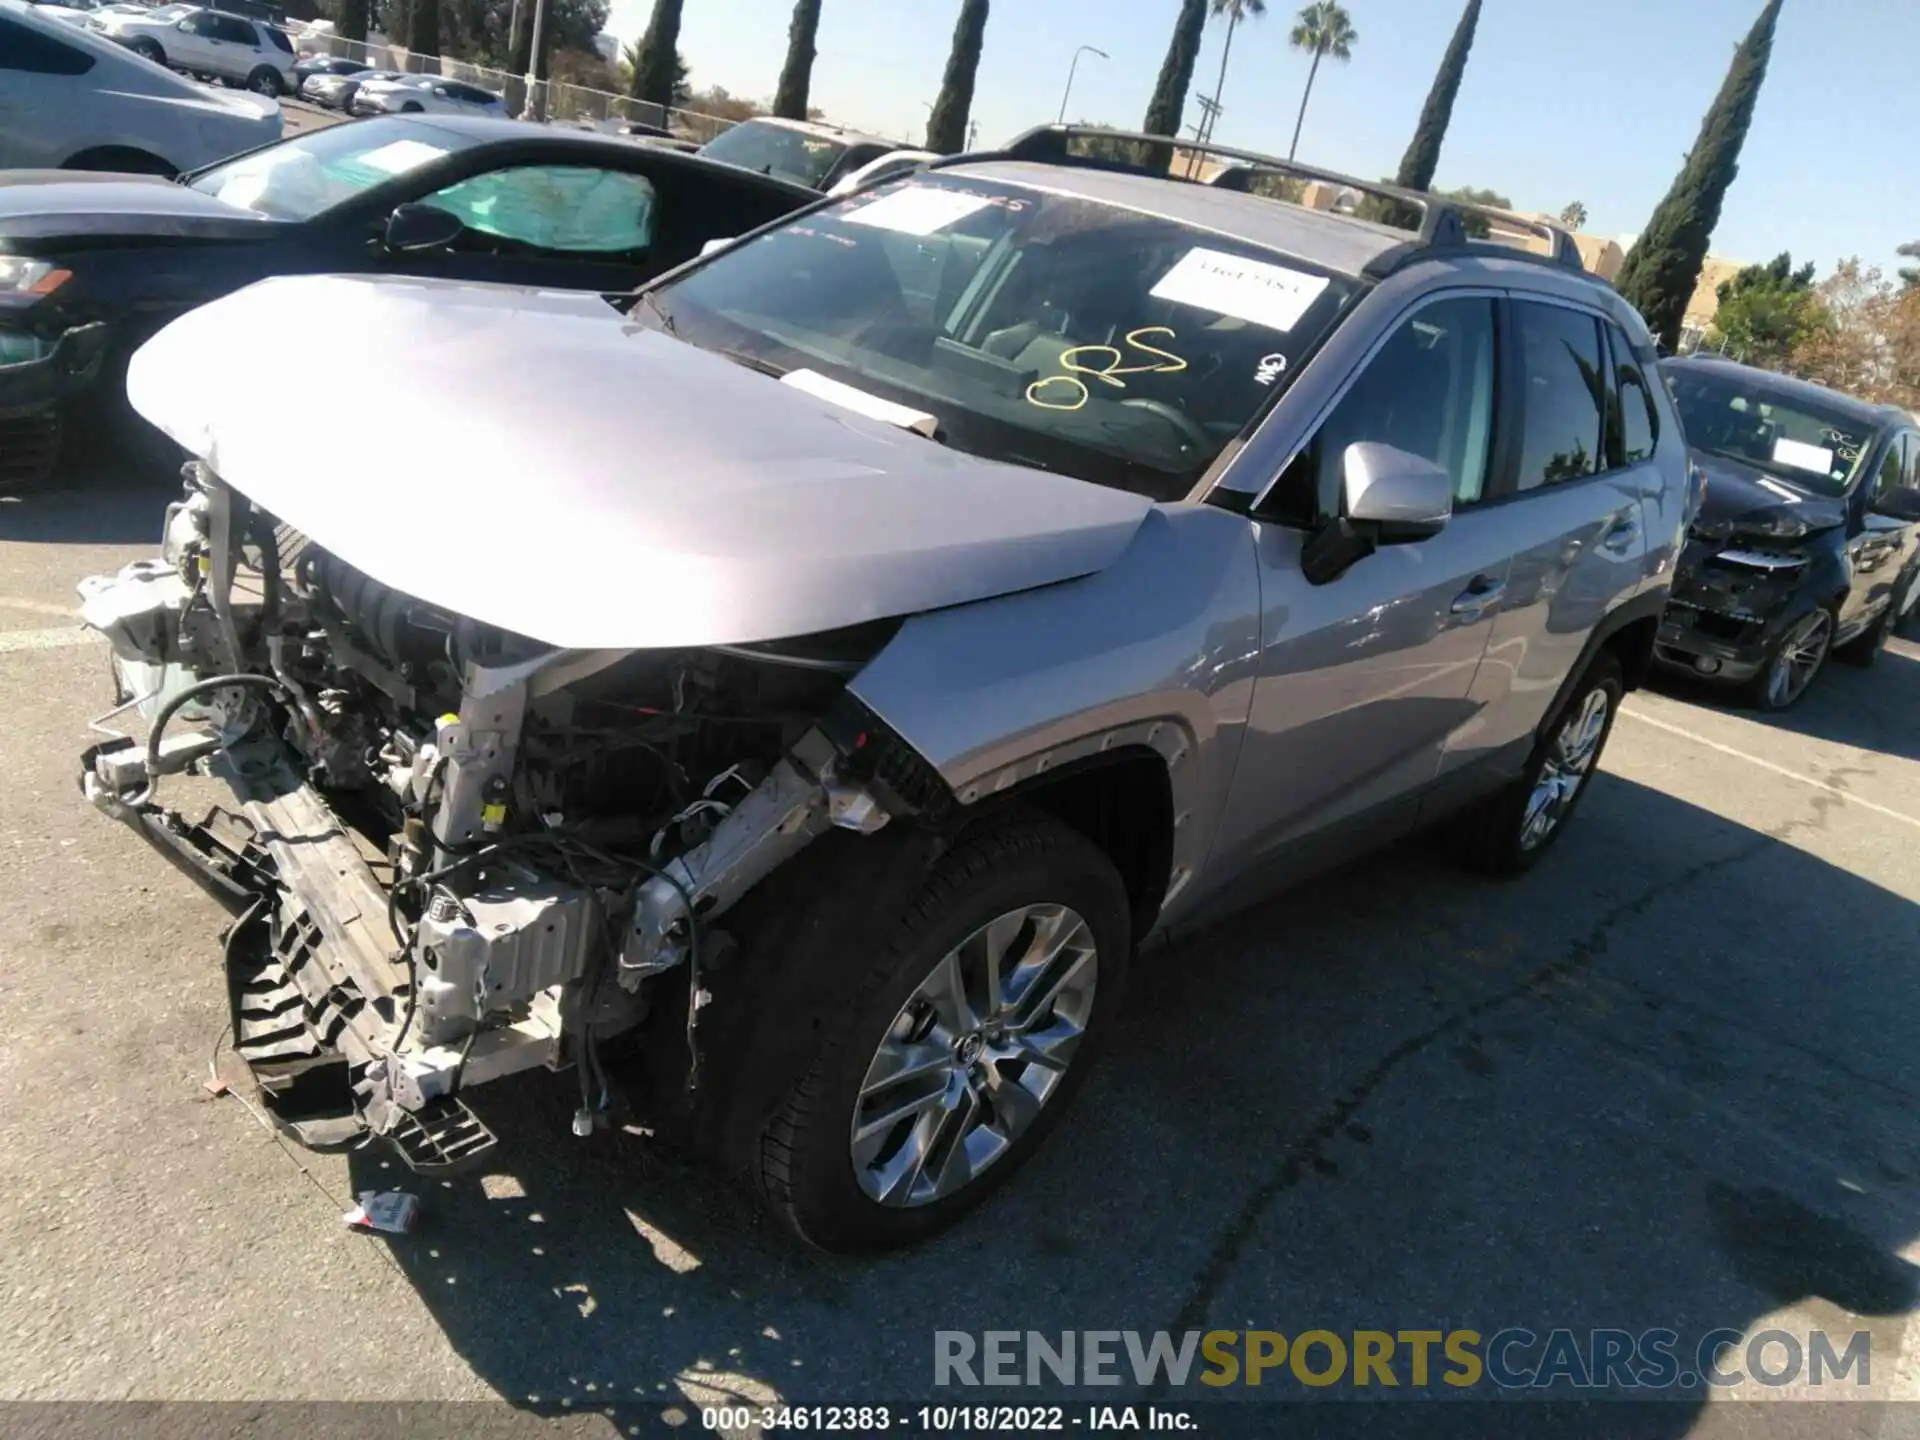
(536, 461)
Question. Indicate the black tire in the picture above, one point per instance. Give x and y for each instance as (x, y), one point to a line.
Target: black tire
(150, 49)
(1493, 836)
(265, 80)
(1762, 692)
(804, 1168)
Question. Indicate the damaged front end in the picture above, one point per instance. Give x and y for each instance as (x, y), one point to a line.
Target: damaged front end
(456, 853)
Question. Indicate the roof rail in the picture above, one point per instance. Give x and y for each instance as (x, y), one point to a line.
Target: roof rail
(1441, 219)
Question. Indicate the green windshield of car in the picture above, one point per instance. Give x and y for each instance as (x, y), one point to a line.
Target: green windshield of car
(299, 178)
(1820, 448)
(776, 150)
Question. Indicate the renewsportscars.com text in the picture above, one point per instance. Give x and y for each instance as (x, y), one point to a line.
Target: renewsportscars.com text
(1510, 1359)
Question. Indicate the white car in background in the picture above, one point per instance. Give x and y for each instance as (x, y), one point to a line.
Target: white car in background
(210, 43)
(426, 94)
(72, 99)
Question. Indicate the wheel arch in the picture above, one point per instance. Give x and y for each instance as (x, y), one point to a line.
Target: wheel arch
(132, 159)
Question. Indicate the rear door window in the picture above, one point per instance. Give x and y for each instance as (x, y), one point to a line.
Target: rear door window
(1563, 379)
(28, 52)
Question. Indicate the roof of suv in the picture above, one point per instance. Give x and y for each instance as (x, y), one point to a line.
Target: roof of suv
(1340, 242)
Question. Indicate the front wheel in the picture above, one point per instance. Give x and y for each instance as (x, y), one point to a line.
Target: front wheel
(1509, 832)
(1795, 659)
(961, 1047)
(265, 80)
(149, 49)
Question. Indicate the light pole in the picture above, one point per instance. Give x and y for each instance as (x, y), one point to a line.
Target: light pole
(1084, 49)
(530, 111)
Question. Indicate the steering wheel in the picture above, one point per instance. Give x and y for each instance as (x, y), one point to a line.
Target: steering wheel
(1198, 438)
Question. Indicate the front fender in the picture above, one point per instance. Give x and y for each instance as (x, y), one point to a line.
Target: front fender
(1159, 649)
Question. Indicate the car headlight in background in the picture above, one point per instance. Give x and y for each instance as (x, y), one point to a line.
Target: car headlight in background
(21, 276)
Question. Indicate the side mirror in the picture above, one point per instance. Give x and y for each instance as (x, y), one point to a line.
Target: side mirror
(713, 245)
(1388, 497)
(1403, 498)
(414, 228)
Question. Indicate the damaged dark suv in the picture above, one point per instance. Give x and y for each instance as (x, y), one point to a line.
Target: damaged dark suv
(1805, 545)
(825, 673)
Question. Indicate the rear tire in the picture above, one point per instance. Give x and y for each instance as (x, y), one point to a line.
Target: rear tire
(938, 1057)
(1511, 831)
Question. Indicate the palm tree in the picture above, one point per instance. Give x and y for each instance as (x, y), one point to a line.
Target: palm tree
(796, 76)
(1325, 28)
(1574, 217)
(1235, 11)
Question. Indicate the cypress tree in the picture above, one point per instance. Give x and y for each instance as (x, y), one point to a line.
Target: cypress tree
(947, 129)
(653, 77)
(423, 31)
(1664, 265)
(1423, 154)
(1169, 100)
(796, 76)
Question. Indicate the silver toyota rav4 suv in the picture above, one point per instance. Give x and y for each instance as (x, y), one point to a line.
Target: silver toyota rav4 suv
(790, 700)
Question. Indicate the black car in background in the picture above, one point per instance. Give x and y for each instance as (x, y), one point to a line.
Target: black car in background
(98, 263)
(1805, 545)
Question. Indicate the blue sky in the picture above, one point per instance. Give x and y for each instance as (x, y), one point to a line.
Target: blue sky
(1589, 100)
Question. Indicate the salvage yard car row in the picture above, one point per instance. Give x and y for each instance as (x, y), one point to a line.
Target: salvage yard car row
(843, 656)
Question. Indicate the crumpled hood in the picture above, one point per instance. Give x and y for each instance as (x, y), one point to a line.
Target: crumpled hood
(1744, 498)
(537, 461)
(64, 204)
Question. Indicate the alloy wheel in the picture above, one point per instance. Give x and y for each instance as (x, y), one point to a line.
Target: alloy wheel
(1801, 654)
(978, 1049)
(1568, 762)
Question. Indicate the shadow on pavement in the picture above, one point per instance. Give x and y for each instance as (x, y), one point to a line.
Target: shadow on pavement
(1870, 708)
(1640, 1089)
(116, 508)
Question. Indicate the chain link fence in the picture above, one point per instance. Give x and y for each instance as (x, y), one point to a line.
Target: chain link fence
(553, 100)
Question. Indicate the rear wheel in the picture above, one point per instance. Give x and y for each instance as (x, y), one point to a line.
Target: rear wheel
(1795, 660)
(1510, 831)
(961, 1046)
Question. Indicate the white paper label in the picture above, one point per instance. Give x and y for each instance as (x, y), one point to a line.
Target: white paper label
(1253, 290)
(874, 407)
(917, 210)
(1803, 456)
(401, 156)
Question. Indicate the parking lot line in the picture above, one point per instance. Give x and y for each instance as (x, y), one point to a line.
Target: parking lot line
(1794, 775)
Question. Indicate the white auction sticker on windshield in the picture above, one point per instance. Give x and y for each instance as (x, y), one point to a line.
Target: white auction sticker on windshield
(1803, 456)
(401, 156)
(1252, 290)
(918, 210)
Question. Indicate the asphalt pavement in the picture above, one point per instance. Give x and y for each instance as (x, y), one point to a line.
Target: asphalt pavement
(1668, 1080)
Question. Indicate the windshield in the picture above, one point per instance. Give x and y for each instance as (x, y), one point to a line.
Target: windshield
(298, 178)
(776, 150)
(1038, 329)
(1741, 417)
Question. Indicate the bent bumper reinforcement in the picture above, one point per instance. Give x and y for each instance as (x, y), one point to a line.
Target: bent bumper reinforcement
(317, 981)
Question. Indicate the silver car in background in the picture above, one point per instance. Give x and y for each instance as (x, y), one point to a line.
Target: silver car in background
(836, 667)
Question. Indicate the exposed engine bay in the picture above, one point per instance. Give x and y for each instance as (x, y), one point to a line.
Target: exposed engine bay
(457, 853)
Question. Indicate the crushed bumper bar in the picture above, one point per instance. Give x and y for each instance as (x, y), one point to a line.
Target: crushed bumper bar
(317, 981)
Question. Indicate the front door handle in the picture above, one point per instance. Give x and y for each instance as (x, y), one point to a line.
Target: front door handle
(1481, 594)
